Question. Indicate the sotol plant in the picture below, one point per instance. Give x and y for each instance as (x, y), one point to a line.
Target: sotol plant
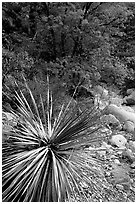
(43, 159)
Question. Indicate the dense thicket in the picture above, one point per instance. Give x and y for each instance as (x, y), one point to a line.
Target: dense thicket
(83, 44)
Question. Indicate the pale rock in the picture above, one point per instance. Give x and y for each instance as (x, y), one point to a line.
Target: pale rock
(105, 145)
(101, 91)
(117, 162)
(132, 171)
(126, 186)
(118, 140)
(107, 173)
(119, 175)
(104, 148)
(130, 99)
(132, 165)
(131, 145)
(121, 114)
(129, 91)
(129, 155)
(129, 126)
(111, 120)
(128, 109)
(119, 187)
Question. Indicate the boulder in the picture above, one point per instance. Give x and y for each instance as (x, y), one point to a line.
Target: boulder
(112, 121)
(128, 109)
(102, 92)
(130, 98)
(118, 140)
(128, 154)
(121, 114)
(129, 91)
(129, 126)
(120, 176)
(131, 146)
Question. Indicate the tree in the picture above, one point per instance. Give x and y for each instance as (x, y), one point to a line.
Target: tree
(87, 38)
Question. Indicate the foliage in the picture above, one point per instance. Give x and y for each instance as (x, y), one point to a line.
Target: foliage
(66, 39)
(42, 156)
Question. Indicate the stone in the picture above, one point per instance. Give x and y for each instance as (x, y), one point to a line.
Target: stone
(127, 153)
(104, 148)
(131, 146)
(129, 126)
(116, 161)
(107, 173)
(105, 145)
(128, 109)
(132, 165)
(132, 171)
(118, 140)
(126, 186)
(121, 114)
(112, 121)
(130, 99)
(101, 91)
(119, 187)
(119, 174)
(129, 91)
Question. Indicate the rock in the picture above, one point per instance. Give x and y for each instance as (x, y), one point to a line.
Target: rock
(131, 145)
(120, 175)
(130, 99)
(112, 121)
(127, 153)
(129, 126)
(126, 186)
(132, 166)
(117, 101)
(132, 171)
(118, 140)
(104, 148)
(99, 90)
(119, 187)
(121, 114)
(107, 173)
(128, 109)
(129, 91)
(116, 161)
(105, 145)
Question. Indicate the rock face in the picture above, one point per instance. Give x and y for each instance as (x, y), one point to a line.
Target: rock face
(118, 140)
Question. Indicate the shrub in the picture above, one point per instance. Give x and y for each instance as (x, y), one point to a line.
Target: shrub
(43, 157)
